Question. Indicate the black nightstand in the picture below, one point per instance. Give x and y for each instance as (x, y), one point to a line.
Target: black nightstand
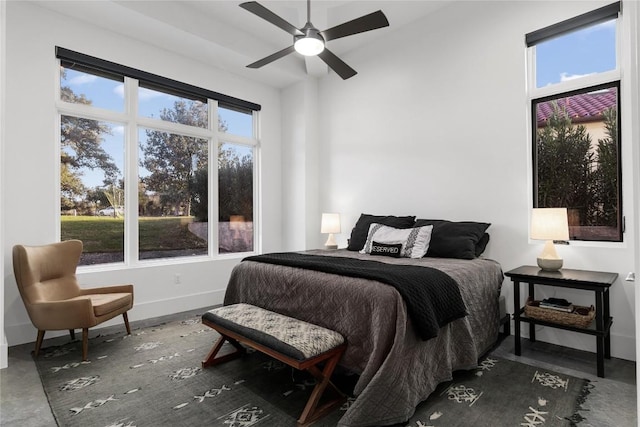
(595, 281)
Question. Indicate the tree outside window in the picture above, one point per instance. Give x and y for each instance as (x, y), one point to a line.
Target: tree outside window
(577, 160)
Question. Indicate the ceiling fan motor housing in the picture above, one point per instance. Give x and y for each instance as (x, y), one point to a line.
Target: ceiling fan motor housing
(310, 43)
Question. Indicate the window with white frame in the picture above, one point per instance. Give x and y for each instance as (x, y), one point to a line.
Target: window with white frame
(138, 156)
(574, 89)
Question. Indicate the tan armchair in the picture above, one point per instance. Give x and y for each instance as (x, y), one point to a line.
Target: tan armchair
(46, 278)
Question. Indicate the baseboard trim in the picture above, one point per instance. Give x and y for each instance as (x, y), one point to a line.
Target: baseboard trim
(4, 352)
(622, 347)
(148, 310)
(25, 332)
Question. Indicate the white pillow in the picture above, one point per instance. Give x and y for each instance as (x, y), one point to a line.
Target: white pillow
(415, 241)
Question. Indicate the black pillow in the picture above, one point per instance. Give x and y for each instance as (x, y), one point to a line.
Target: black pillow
(482, 244)
(361, 230)
(386, 249)
(464, 239)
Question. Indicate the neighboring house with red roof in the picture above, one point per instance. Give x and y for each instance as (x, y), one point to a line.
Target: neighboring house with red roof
(585, 109)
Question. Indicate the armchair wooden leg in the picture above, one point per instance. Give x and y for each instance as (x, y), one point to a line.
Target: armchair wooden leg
(72, 334)
(38, 343)
(85, 343)
(126, 322)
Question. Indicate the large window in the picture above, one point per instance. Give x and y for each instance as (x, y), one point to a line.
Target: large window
(138, 176)
(574, 86)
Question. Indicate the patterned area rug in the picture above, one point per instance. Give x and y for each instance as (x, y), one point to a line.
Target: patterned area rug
(154, 378)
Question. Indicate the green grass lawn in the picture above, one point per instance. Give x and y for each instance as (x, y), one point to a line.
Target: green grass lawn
(106, 234)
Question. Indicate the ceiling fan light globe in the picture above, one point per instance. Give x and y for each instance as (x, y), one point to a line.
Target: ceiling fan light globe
(309, 46)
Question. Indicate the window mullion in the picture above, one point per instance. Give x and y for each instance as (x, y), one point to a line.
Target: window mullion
(172, 127)
(214, 146)
(531, 70)
(58, 151)
(236, 139)
(131, 174)
(256, 186)
(577, 84)
(89, 112)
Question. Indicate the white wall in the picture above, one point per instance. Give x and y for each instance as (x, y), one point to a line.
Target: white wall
(31, 164)
(435, 125)
(301, 168)
(3, 338)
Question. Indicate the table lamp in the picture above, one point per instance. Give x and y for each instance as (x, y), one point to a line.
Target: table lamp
(549, 224)
(330, 224)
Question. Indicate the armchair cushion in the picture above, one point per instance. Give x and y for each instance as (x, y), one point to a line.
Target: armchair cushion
(104, 304)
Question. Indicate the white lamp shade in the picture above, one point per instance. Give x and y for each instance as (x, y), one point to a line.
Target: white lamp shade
(330, 223)
(549, 224)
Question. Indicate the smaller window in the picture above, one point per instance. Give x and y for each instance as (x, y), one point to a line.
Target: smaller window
(92, 187)
(236, 121)
(576, 152)
(81, 85)
(172, 107)
(576, 54)
(172, 199)
(235, 198)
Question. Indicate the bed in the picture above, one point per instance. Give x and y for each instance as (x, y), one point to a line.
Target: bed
(397, 368)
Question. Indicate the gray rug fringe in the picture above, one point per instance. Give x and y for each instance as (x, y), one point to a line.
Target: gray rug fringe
(582, 398)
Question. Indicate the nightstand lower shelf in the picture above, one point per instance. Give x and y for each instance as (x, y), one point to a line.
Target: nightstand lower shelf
(590, 330)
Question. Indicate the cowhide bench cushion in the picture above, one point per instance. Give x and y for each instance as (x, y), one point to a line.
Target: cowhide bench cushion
(297, 343)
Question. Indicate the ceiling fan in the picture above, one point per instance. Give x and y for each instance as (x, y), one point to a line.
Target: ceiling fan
(310, 41)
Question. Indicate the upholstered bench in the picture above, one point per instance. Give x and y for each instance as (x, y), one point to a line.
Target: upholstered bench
(299, 344)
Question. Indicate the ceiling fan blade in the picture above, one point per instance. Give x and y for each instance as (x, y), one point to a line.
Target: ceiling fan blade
(368, 22)
(337, 64)
(264, 13)
(272, 57)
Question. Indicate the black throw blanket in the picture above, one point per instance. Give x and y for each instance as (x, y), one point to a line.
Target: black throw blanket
(432, 297)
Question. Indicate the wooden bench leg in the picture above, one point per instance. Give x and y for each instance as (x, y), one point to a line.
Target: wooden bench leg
(213, 360)
(311, 411)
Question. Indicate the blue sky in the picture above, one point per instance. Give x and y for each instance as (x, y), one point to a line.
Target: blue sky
(587, 51)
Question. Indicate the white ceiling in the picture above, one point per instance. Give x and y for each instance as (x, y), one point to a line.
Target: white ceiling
(223, 35)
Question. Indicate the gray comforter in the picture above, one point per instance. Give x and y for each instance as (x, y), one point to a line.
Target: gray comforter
(397, 369)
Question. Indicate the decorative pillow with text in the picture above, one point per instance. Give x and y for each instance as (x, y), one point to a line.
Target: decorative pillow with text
(414, 241)
(361, 229)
